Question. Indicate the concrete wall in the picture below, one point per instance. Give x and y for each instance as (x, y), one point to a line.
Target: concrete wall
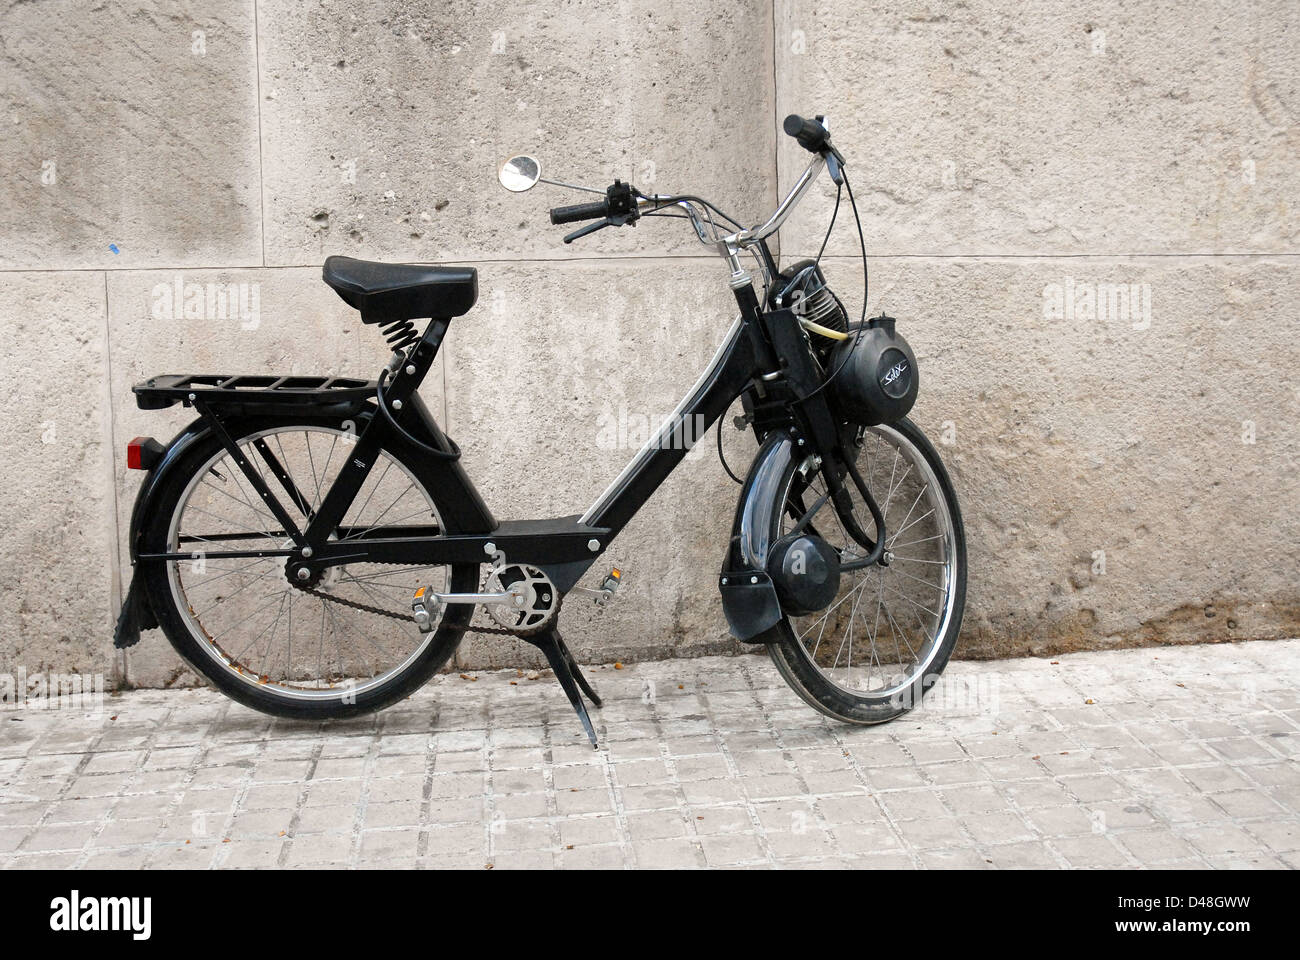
(998, 150)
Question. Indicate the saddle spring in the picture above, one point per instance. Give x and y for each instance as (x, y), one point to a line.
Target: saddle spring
(400, 334)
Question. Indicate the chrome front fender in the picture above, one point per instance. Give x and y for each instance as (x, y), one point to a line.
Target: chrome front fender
(749, 598)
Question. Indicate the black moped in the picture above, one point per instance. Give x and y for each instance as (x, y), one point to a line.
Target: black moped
(313, 546)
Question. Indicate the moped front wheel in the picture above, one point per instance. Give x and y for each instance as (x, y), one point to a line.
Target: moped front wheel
(873, 652)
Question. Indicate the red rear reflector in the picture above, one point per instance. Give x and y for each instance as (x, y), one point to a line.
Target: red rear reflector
(142, 453)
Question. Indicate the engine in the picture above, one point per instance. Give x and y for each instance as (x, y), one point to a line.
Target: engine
(874, 374)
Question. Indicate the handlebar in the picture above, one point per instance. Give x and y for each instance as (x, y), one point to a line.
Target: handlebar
(623, 204)
(596, 210)
(747, 238)
(812, 136)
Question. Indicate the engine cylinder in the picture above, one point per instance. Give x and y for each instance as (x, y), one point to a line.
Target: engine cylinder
(803, 289)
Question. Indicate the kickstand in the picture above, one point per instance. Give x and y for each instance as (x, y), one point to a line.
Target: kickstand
(569, 674)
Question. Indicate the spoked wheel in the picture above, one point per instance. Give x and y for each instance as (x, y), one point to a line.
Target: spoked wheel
(883, 641)
(340, 645)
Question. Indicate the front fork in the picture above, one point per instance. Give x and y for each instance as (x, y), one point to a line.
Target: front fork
(794, 421)
(811, 413)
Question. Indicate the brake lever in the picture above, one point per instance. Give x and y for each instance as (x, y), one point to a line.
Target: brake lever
(589, 228)
(628, 215)
(834, 166)
(834, 159)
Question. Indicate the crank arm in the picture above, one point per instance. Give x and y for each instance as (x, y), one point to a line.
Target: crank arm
(426, 603)
(605, 592)
(599, 597)
(470, 598)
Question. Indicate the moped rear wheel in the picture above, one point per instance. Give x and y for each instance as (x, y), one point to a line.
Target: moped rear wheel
(345, 646)
(871, 654)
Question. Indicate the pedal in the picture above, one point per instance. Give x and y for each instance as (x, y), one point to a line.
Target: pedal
(424, 608)
(611, 582)
(605, 592)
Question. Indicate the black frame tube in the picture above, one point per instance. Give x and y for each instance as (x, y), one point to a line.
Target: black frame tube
(744, 357)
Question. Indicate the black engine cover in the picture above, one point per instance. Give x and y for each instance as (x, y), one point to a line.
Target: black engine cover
(877, 380)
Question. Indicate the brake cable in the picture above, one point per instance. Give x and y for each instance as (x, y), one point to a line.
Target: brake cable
(848, 354)
(452, 454)
(721, 456)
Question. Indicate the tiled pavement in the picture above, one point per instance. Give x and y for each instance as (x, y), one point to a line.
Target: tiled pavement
(1173, 757)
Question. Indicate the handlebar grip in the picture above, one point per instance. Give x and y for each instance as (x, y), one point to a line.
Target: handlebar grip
(580, 211)
(812, 136)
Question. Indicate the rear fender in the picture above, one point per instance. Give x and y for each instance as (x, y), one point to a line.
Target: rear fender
(154, 481)
(459, 503)
(462, 509)
(137, 611)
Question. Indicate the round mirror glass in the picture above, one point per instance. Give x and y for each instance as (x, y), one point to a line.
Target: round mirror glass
(520, 173)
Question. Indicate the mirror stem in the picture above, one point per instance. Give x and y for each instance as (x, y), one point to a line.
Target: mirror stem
(571, 186)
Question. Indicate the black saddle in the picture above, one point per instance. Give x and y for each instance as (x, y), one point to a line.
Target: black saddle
(385, 292)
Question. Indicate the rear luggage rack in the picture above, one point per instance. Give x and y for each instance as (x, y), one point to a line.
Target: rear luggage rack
(249, 392)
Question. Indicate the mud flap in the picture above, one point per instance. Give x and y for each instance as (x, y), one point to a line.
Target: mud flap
(136, 615)
(750, 603)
